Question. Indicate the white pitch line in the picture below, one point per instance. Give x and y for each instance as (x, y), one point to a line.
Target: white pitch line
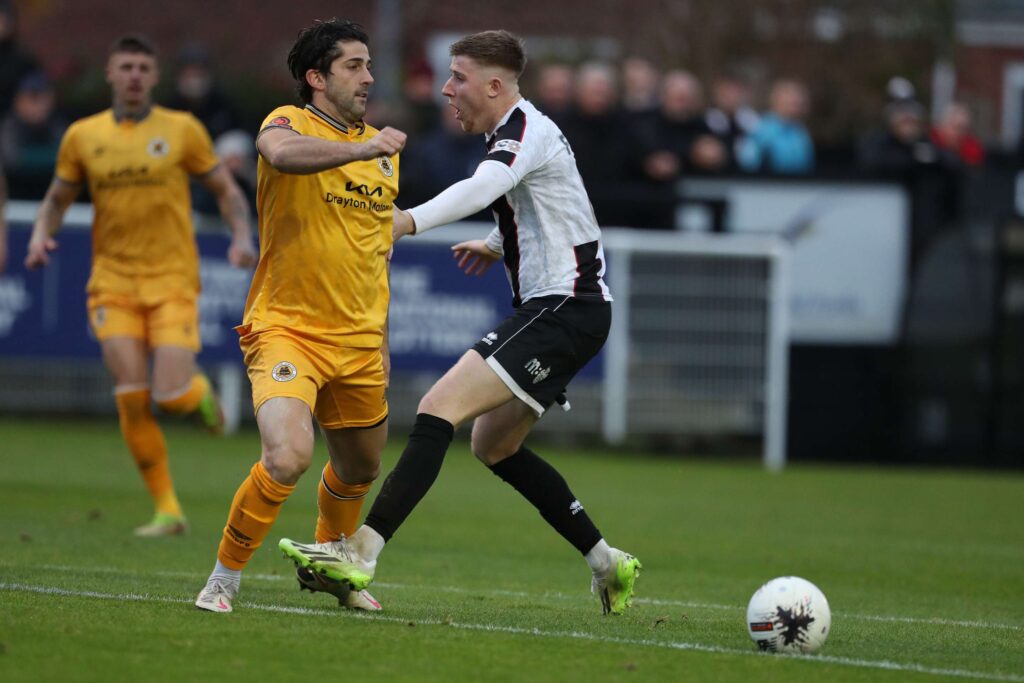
(933, 621)
(535, 632)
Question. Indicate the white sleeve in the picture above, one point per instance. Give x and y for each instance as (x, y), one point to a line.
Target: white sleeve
(495, 242)
(491, 180)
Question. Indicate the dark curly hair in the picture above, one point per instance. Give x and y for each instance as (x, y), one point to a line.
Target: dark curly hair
(317, 46)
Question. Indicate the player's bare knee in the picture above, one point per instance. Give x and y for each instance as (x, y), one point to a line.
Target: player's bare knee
(435, 404)
(429, 404)
(359, 472)
(286, 462)
(488, 451)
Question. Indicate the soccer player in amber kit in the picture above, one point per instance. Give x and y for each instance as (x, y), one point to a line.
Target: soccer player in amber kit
(551, 246)
(314, 331)
(136, 159)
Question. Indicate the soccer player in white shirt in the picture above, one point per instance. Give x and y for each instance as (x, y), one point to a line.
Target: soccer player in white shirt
(551, 246)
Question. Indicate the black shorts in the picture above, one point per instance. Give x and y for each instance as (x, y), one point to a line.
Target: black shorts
(538, 349)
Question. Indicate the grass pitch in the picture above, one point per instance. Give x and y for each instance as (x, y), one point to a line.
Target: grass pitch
(924, 570)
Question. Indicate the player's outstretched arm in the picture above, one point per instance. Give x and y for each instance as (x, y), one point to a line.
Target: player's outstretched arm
(290, 152)
(234, 209)
(51, 212)
(464, 198)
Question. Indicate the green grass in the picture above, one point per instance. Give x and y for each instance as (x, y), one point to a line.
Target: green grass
(924, 570)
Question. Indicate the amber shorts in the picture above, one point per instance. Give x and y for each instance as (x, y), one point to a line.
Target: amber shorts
(172, 322)
(343, 387)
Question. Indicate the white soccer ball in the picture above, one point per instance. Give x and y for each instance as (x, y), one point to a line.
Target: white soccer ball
(788, 614)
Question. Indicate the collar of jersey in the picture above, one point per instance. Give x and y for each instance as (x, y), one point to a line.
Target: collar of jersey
(503, 121)
(333, 122)
(121, 117)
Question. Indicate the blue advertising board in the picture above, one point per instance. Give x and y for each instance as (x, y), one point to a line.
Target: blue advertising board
(437, 312)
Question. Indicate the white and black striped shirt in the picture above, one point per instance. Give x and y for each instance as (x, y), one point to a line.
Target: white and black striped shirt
(546, 229)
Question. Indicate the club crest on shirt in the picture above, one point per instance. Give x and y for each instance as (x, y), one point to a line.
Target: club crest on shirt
(386, 167)
(284, 372)
(507, 146)
(158, 147)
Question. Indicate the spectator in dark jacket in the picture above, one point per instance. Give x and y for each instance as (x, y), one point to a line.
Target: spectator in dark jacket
(15, 61)
(30, 137)
(596, 131)
(196, 90)
(730, 118)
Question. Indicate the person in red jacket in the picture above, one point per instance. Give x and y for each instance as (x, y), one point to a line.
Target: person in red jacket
(953, 134)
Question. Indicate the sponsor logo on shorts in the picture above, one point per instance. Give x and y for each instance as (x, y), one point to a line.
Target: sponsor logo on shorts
(158, 147)
(284, 372)
(386, 167)
(539, 373)
(575, 507)
(490, 338)
(99, 316)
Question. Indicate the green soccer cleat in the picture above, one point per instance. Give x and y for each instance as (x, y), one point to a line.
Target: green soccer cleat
(163, 524)
(615, 586)
(210, 413)
(336, 560)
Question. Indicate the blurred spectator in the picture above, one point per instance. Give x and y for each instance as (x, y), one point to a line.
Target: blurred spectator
(639, 85)
(421, 109)
(196, 91)
(237, 151)
(15, 61)
(442, 157)
(554, 91)
(781, 143)
(596, 131)
(903, 145)
(30, 137)
(899, 88)
(730, 118)
(954, 135)
(672, 141)
(676, 139)
(904, 152)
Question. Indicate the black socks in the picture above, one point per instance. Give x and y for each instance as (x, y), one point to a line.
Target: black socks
(413, 475)
(542, 485)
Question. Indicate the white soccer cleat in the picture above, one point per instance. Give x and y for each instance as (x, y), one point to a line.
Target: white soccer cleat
(217, 595)
(615, 585)
(362, 600)
(313, 582)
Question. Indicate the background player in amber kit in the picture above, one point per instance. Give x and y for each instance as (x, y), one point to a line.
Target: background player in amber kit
(314, 327)
(144, 285)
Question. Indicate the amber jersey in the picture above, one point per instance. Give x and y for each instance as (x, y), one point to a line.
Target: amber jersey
(324, 239)
(138, 173)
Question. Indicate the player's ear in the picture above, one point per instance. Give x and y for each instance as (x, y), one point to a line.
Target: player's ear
(494, 86)
(315, 79)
